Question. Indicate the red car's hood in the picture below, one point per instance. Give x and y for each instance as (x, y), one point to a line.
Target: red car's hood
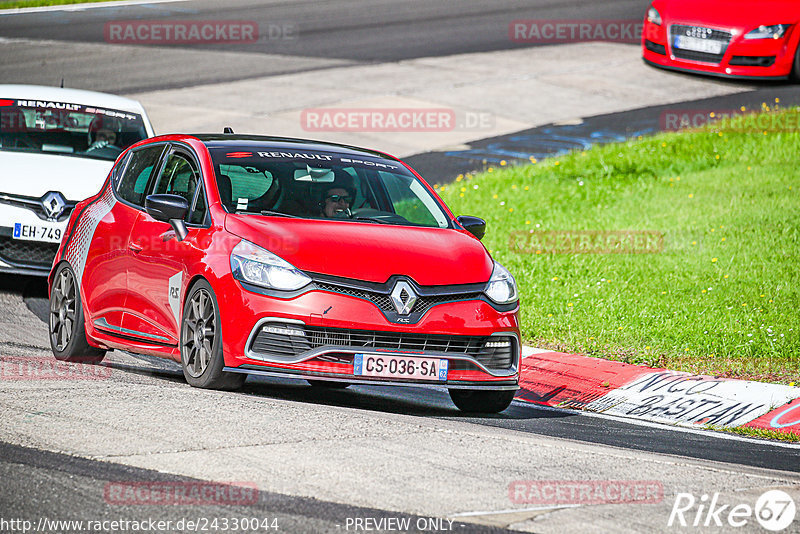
(370, 252)
(743, 14)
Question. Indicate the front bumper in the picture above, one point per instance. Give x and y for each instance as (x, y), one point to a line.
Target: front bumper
(320, 332)
(762, 59)
(25, 257)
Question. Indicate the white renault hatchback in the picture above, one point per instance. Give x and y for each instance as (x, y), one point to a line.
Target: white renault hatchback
(56, 148)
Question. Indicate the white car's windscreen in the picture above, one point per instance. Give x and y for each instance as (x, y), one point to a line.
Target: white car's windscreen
(67, 129)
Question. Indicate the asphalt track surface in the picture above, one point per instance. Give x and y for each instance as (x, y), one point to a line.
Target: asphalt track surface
(521, 416)
(36, 483)
(359, 30)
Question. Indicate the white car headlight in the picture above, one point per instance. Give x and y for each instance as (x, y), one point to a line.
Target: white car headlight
(653, 16)
(254, 265)
(776, 31)
(501, 288)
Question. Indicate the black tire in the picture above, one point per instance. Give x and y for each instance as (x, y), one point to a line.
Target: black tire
(328, 384)
(201, 342)
(67, 324)
(795, 76)
(478, 401)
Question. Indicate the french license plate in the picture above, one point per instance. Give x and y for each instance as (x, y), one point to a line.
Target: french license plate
(38, 232)
(697, 45)
(392, 366)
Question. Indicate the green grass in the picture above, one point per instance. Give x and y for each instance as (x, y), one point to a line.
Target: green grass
(14, 4)
(720, 298)
(760, 433)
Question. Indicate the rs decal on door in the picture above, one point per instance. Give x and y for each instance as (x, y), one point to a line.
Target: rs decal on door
(175, 284)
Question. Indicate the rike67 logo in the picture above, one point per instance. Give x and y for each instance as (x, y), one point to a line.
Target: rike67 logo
(775, 510)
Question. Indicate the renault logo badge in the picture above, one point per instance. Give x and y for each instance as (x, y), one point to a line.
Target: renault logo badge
(403, 297)
(53, 204)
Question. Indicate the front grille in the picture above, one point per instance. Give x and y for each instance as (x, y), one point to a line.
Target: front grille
(27, 253)
(384, 302)
(286, 341)
(712, 35)
(655, 47)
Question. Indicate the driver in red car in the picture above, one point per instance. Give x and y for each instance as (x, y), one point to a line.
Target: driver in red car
(338, 197)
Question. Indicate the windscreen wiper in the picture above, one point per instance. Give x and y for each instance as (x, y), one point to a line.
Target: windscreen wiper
(278, 214)
(371, 219)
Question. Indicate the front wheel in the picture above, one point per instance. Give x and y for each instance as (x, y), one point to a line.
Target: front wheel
(796, 67)
(67, 326)
(478, 401)
(201, 342)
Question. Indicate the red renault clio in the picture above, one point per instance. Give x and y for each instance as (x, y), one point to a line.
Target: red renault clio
(238, 255)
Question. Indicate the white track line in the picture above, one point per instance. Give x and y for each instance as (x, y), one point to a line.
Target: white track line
(82, 6)
(701, 432)
(516, 510)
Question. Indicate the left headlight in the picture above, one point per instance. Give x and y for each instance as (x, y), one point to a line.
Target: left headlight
(252, 264)
(653, 16)
(776, 31)
(501, 288)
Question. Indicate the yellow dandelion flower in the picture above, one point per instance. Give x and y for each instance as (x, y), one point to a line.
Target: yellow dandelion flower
(691, 195)
(494, 196)
(726, 276)
(555, 278)
(526, 188)
(503, 162)
(713, 260)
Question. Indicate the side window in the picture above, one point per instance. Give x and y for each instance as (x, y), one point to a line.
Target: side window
(132, 186)
(198, 214)
(180, 176)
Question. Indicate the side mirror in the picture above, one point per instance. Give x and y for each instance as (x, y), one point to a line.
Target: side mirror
(474, 225)
(171, 209)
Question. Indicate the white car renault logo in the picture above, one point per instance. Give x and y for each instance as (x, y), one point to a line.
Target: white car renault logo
(403, 297)
(53, 204)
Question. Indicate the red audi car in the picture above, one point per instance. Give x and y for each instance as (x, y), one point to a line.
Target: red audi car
(728, 38)
(238, 255)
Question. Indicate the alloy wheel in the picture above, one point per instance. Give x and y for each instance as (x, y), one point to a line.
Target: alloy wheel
(199, 332)
(62, 309)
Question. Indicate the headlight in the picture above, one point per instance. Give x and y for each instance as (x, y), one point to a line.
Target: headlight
(776, 31)
(501, 288)
(653, 16)
(254, 265)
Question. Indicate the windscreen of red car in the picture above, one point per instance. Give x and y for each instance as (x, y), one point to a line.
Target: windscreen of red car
(323, 185)
(67, 129)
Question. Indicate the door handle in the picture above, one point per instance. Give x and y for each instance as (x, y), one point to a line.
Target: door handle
(135, 247)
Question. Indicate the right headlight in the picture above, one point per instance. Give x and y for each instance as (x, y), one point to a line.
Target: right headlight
(776, 31)
(501, 288)
(653, 16)
(254, 265)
